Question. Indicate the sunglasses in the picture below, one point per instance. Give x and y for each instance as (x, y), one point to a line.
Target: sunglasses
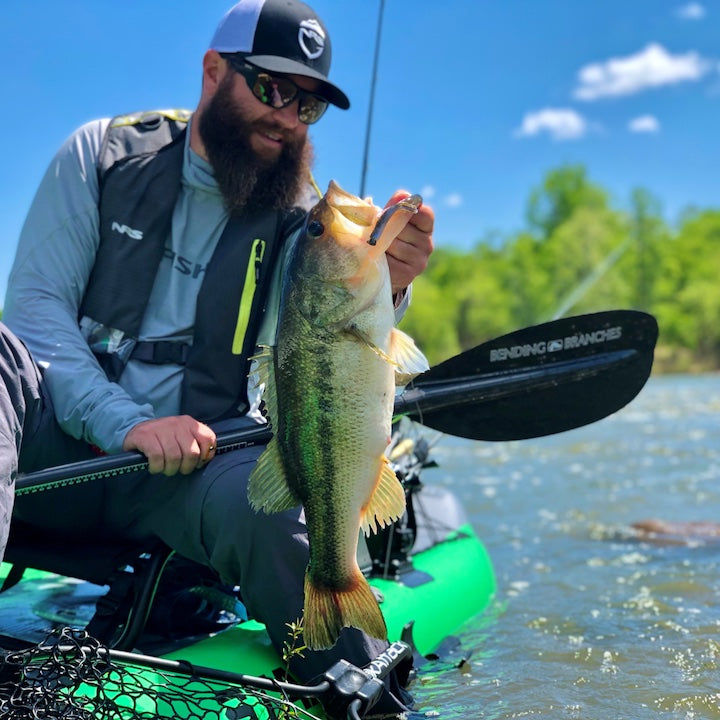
(278, 91)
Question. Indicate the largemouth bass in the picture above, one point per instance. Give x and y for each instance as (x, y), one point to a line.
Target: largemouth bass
(329, 393)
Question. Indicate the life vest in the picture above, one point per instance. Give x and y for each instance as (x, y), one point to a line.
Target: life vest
(139, 172)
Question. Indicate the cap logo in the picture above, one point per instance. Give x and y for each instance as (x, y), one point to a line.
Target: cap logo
(311, 38)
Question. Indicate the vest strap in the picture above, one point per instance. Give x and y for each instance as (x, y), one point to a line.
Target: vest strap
(161, 352)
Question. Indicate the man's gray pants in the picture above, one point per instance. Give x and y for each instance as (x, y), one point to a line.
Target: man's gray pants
(204, 516)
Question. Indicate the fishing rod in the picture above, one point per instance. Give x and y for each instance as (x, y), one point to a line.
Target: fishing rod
(371, 105)
(533, 382)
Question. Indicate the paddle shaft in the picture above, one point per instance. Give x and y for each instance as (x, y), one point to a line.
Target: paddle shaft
(126, 462)
(524, 384)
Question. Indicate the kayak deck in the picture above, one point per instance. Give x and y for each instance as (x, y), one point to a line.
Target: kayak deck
(455, 575)
(457, 583)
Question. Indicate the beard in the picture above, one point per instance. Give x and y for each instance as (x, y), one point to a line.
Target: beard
(248, 182)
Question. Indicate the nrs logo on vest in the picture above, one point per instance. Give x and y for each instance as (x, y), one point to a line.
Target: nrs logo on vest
(126, 230)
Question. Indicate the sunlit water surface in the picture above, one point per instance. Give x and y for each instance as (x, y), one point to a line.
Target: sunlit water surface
(588, 621)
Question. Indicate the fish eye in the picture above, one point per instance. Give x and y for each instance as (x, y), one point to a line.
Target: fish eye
(315, 229)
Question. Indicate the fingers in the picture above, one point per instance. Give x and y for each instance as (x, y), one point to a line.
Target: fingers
(410, 251)
(177, 444)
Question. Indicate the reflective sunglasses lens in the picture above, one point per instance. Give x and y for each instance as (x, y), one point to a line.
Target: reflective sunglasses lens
(279, 92)
(311, 109)
(275, 92)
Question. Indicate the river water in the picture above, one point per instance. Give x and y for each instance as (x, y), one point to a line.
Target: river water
(589, 621)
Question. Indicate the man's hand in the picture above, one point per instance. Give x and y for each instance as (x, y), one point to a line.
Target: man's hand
(172, 444)
(409, 252)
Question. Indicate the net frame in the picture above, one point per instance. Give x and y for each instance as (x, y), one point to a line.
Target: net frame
(72, 676)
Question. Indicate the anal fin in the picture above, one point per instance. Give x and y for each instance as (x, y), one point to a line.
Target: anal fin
(387, 502)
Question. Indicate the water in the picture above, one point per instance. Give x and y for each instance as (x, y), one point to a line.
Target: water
(589, 622)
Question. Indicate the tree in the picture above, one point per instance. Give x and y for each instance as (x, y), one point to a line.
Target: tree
(688, 295)
(649, 233)
(562, 192)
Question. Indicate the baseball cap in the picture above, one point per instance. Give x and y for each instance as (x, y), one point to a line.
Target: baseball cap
(281, 36)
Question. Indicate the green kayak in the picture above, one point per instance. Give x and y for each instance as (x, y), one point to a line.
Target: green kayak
(431, 574)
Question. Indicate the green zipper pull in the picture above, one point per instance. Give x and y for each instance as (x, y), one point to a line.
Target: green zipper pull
(252, 277)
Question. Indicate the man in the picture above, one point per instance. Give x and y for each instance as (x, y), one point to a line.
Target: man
(126, 292)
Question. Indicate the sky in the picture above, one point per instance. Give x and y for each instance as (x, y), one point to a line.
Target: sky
(475, 100)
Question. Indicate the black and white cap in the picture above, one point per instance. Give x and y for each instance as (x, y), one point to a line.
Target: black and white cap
(281, 36)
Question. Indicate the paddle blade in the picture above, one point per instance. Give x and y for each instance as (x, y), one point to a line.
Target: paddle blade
(538, 381)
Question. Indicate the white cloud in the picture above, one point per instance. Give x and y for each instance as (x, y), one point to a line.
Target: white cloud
(652, 67)
(454, 200)
(644, 124)
(427, 192)
(559, 123)
(691, 11)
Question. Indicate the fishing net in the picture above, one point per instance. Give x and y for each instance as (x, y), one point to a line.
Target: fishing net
(74, 677)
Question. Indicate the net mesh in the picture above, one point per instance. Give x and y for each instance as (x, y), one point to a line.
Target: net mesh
(74, 677)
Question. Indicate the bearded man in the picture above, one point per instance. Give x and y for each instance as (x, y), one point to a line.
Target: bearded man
(146, 274)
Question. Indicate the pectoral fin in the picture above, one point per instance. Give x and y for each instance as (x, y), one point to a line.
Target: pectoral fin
(387, 502)
(355, 331)
(407, 357)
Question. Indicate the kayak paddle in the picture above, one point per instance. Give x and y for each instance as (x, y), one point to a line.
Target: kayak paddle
(537, 381)
(532, 382)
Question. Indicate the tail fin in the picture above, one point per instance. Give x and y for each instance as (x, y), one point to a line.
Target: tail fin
(327, 612)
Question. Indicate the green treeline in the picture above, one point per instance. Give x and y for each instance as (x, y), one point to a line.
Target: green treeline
(579, 255)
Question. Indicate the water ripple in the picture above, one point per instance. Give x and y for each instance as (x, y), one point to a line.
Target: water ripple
(592, 621)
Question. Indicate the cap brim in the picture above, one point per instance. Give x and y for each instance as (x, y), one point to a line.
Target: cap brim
(273, 63)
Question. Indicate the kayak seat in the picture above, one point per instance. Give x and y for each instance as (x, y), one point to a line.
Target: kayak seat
(130, 569)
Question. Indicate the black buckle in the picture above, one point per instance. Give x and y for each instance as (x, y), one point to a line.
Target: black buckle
(161, 352)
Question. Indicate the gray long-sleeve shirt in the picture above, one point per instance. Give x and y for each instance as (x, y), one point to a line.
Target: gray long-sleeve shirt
(47, 282)
(48, 279)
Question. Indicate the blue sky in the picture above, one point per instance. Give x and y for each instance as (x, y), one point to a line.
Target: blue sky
(476, 99)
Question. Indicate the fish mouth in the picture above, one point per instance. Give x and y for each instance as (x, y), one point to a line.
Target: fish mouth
(350, 207)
